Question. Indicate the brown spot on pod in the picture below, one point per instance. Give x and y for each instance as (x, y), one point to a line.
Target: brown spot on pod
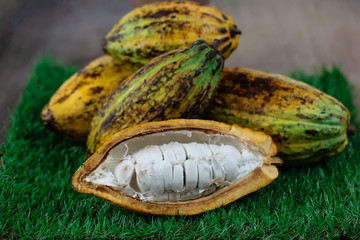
(312, 132)
(96, 90)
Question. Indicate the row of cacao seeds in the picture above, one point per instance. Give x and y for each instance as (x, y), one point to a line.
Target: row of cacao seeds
(167, 63)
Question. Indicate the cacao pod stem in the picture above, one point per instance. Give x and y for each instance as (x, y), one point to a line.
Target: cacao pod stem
(350, 130)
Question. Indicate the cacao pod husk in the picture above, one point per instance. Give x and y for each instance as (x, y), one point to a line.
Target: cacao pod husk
(104, 185)
(156, 28)
(177, 84)
(72, 107)
(305, 123)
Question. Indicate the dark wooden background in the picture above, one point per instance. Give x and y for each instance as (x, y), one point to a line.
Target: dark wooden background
(278, 36)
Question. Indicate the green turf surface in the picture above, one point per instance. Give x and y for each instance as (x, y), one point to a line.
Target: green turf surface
(314, 201)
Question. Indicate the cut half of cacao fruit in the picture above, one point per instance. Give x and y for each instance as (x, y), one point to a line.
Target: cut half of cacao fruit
(178, 167)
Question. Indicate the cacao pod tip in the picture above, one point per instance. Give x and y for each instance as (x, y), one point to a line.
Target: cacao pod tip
(234, 31)
(350, 130)
(48, 119)
(275, 161)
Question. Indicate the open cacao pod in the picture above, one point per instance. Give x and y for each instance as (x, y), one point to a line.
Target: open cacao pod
(178, 167)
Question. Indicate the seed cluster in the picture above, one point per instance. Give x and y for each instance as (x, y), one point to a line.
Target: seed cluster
(178, 172)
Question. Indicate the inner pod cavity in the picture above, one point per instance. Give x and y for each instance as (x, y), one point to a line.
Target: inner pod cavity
(175, 165)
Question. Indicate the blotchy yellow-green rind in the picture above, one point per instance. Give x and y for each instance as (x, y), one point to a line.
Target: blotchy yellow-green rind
(72, 107)
(157, 28)
(305, 123)
(178, 84)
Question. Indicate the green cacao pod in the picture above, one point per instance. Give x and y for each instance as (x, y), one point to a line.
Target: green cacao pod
(159, 27)
(177, 84)
(305, 123)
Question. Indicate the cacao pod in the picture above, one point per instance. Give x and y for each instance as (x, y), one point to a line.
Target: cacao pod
(72, 107)
(177, 84)
(305, 123)
(159, 27)
(178, 167)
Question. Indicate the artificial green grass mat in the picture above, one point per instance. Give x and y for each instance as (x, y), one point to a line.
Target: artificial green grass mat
(315, 201)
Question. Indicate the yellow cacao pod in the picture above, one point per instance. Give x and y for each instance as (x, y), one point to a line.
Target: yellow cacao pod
(72, 107)
(159, 27)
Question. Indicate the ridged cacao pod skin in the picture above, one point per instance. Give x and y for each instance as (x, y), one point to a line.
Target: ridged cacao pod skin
(157, 28)
(305, 123)
(177, 84)
(256, 179)
(72, 107)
